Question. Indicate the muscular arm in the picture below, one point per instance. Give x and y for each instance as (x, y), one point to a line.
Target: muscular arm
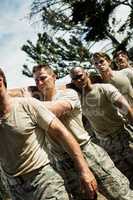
(66, 101)
(116, 98)
(59, 107)
(19, 92)
(57, 131)
(16, 92)
(125, 108)
(61, 135)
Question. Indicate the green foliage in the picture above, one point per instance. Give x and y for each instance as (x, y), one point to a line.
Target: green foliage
(93, 15)
(131, 19)
(80, 20)
(96, 15)
(58, 52)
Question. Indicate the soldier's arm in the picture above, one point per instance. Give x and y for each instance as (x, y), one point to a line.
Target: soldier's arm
(67, 101)
(20, 92)
(125, 108)
(15, 92)
(61, 135)
(116, 98)
(59, 107)
(58, 132)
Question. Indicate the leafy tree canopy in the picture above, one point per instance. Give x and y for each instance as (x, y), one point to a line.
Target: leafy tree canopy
(95, 18)
(59, 53)
(72, 22)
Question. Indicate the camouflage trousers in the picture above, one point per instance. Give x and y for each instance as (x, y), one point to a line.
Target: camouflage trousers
(120, 149)
(4, 194)
(42, 184)
(112, 183)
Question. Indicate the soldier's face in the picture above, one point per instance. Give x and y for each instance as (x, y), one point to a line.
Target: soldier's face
(44, 80)
(121, 61)
(101, 64)
(79, 78)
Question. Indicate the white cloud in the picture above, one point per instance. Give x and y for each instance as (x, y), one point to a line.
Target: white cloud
(15, 30)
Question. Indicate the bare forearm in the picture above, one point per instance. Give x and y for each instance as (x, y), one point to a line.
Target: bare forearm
(15, 92)
(19, 92)
(65, 138)
(125, 108)
(59, 107)
(61, 135)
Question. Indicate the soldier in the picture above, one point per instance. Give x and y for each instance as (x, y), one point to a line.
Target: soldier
(99, 105)
(24, 125)
(66, 105)
(122, 79)
(121, 59)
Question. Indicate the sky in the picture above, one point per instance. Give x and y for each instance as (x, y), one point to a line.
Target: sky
(15, 30)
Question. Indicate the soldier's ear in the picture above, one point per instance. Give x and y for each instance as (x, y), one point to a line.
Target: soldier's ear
(54, 76)
(87, 73)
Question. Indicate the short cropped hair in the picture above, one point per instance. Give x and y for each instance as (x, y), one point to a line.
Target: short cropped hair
(2, 74)
(43, 66)
(124, 52)
(101, 54)
(72, 70)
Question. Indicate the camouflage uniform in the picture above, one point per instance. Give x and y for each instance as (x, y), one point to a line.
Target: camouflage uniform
(112, 132)
(4, 191)
(113, 184)
(41, 184)
(23, 154)
(120, 149)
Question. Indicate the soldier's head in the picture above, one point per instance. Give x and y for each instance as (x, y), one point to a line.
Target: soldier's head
(44, 77)
(121, 59)
(80, 77)
(101, 61)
